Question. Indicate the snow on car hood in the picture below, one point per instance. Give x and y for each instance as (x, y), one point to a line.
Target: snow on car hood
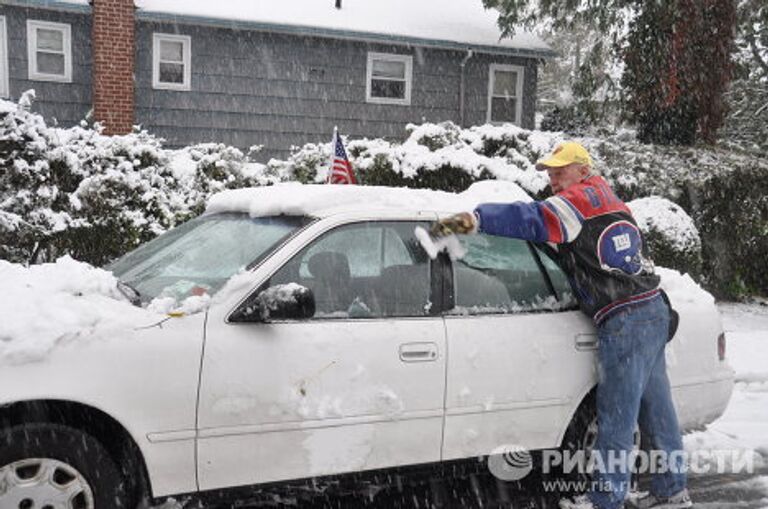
(56, 303)
(295, 199)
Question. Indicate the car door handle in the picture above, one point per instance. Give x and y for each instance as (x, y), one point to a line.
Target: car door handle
(586, 342)
(418, 352)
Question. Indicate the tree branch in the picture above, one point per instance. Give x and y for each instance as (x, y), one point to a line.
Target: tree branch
(756, 53)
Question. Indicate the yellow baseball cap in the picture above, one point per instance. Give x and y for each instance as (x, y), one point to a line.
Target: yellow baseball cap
(566, 153)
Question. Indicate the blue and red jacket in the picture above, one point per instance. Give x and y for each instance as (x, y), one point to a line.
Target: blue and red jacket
(595, 238)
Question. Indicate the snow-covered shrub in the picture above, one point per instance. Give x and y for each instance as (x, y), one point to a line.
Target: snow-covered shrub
(672, 238)
(434, 136)
(303, 164)
(435, 156)
(207, 168)
(722, 190)
(732, 214)
(75, 191)
(34, 182)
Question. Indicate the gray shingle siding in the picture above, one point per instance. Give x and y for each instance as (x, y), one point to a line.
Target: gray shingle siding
(67, 103)
(252, 87)
(478, 73)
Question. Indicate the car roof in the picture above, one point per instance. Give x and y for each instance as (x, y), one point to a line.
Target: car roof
(323, 200)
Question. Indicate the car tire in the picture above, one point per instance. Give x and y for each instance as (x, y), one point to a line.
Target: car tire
(44, 464)
(582, 434)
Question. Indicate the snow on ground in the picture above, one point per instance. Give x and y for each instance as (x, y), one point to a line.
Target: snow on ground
(744, 425)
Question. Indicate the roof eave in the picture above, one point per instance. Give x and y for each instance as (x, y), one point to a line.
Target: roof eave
(330, 33)
(51, 5)
(370, 37)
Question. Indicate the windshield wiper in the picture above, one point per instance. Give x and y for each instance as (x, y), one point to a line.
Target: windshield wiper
(131, 293)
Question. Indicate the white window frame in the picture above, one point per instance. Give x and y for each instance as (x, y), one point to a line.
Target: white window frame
(393, 57)
(66, 30)
(186, 41)
(4, 81)
(491, 79)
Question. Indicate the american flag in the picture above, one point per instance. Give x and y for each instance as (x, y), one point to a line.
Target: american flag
(341, 169)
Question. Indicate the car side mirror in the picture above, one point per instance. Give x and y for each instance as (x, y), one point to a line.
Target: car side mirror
(280, 302)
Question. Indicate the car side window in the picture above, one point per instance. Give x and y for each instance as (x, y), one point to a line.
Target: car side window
(363, 270)
(559, 282)
(499, 275)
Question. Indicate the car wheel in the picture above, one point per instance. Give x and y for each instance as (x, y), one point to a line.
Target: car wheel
(581, 434)
(50, 466)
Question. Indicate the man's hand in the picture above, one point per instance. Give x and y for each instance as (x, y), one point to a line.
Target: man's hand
(461, 223)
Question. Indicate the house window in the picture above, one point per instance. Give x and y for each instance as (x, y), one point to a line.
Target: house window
(389, 79)
(505, 93)
(171, 59)
(4, 90)
(49, 48)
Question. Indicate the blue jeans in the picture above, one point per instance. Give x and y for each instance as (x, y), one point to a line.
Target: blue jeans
(633, 388)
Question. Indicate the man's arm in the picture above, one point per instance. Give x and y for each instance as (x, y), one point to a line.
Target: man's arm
(553, 220)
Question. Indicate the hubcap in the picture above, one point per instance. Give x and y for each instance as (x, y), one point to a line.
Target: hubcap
(39, 483)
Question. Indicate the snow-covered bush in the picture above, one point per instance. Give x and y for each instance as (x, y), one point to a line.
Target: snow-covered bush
(672, 237)
(722, 190)
(434, 156)
(75, 191)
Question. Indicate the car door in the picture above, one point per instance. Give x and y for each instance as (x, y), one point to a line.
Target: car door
(521, 354)
(358, 386)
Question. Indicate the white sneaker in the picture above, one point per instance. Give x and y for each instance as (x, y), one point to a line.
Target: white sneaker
(578, 502)
(645, 500)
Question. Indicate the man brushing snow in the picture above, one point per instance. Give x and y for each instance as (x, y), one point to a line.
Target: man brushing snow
(597, 243)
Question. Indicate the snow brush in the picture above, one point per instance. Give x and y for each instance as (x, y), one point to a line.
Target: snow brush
(442, 235)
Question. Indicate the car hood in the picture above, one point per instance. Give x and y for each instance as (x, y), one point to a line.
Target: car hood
(53, 305)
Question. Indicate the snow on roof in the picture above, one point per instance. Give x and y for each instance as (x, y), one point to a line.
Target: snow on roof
(321, 200)
(462, 22)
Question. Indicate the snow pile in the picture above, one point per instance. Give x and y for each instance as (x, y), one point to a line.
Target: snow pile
(656, 215)
(174, 305)
(56, 303)
(682, 288)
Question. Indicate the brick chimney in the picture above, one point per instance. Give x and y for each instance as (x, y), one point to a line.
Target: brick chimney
(114, 53)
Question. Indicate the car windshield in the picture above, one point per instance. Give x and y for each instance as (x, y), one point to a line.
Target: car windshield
(202, 254)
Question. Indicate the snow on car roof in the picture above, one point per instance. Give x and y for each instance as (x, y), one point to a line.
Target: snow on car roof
(459, 21)
(320, 200)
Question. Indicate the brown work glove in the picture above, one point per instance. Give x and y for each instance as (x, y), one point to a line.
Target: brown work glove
(461, 223)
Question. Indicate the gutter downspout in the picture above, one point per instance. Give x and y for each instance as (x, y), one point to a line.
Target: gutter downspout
(462, 86)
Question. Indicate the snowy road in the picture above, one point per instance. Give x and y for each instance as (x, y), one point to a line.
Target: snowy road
(744, 425)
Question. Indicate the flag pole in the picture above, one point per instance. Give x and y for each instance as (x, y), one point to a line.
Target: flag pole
(333, 154)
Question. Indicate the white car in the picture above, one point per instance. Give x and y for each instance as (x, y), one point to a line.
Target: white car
(332, 344)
